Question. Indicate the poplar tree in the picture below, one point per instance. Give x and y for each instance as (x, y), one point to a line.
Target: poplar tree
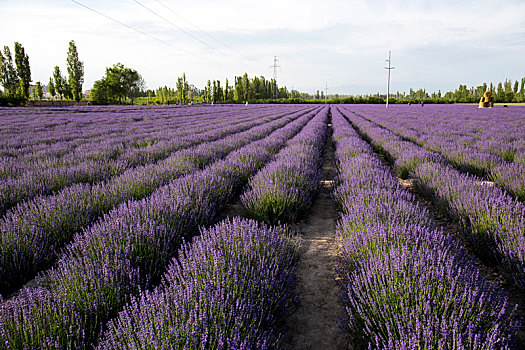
(59, 82)
(51, 88)
(75, 69)
(38, 90)
(23, 70)
(8, 75)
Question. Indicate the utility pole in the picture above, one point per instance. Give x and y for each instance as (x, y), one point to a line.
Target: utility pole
(275, 66)
(326, 93)
(388, 82)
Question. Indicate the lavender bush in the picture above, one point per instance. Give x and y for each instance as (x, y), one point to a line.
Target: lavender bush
(127, 251)
(226, 291)
(30, 235)
(284, 190)
(491, 220)
(468, 138)
(87, 164)
(407, 284)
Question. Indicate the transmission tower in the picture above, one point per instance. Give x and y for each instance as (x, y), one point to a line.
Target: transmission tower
(388, 81)
(275, 66)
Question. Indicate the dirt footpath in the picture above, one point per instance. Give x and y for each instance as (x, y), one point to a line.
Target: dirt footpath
(315, 325)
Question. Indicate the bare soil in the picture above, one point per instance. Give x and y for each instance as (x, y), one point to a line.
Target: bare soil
(316, 323)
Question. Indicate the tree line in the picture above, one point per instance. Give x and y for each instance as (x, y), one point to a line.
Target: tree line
(122, 84)
(16, 77)
(505, 92)
(260, 90)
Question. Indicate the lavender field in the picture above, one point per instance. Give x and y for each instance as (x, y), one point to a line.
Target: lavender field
(262, 227)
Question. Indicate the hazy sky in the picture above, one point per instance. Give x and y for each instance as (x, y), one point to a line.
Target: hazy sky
(435, 44)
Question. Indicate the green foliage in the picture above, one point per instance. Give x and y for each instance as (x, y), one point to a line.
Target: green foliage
(100, 92)
(23, 70)
(182, 88)
(11, 100)
(51, 87)
(68, 92)
(59, 82)
(118, 84)
(8, 75)
(75, 69)
(38, 90)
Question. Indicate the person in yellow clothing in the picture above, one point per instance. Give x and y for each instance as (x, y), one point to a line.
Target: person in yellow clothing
(486, 100)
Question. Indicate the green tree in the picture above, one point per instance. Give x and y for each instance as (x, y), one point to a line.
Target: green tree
(100, 92)
(522, 90)
(500, 93)
(59, 82)
(185, 87)
(51, 88)
(208, 88)
(182, 88)
(38, 90)
(68, 92)
(245, 87)
(227, 95)
(22, 69)
(118, 84)
(8, 75)
(75, 69)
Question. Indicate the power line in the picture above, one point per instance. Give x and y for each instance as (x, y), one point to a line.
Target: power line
(206, 33)
(144, 33)
(174, 25)
(195, 26)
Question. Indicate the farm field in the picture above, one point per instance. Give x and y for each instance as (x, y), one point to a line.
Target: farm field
(262, 227)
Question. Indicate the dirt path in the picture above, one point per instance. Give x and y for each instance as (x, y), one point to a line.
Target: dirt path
(315, 324)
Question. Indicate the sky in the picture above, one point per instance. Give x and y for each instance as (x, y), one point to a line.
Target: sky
(334, 44)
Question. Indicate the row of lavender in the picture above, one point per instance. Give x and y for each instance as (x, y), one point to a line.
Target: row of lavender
(75, 138)
(28, 181)
(284, 190)
(86, 167)
(497, 131)
(129, 140)
(30, 131)
(465, 143)
(32, 233)
(231, 285)
(407, 284)
(127, 252)
(492, 221)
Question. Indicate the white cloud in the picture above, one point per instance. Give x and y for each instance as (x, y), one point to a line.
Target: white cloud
(340, 42)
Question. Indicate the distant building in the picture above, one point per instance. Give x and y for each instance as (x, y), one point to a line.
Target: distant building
(86, 94)
(32, 90)
(45, 92)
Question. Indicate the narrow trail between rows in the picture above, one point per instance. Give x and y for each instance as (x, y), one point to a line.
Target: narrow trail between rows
(315, 324)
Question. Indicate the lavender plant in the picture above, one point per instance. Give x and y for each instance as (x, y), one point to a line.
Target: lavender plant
(407, 284)
(127, 251)
(491, 220)
(226, 290)
(284, 190)
(470, 141)
(31, 234)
